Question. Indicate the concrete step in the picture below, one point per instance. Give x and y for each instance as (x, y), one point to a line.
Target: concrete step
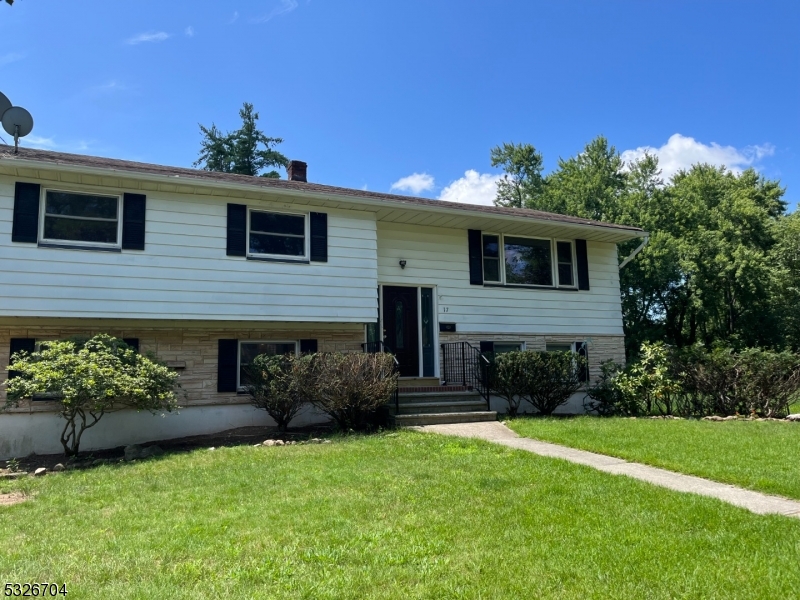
(410, 408)
(439, 397)
(441, 418)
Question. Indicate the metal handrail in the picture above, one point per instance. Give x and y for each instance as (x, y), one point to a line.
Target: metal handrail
(378, 347)
(461, 361)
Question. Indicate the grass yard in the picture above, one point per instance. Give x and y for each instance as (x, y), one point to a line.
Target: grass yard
(397, 515)
(760, 455)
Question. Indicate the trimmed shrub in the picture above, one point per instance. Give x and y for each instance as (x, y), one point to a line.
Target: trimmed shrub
(508, 379)
(280, 385)
(552, 377)
(352, 387)
(90, 379)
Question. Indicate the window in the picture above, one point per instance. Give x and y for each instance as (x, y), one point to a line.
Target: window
(579, 348)
(503, 347)
(565, 269)
(514, 260)
(279, 235)
(249, 350)
(528, 261)
(559, 348)
(81, 219)
(491, 258)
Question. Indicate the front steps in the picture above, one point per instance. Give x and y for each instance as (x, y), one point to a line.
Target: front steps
(417, 407)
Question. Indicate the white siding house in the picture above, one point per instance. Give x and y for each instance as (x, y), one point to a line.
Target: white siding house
(205, 269)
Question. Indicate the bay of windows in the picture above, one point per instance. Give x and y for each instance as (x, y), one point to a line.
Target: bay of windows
(513, 260)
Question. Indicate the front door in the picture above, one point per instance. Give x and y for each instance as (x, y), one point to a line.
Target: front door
(400, 327)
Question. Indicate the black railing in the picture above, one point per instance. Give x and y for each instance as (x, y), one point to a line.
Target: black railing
(377, 347)
(463, 364)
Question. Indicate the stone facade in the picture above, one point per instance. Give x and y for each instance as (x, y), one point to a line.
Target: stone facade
(193, 346)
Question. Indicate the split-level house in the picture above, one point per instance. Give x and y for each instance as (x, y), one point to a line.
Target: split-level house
(208, 270)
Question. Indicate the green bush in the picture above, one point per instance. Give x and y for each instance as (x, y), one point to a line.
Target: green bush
(280, 385)
(545, 379)
(606, 398)
(88, 380)
(350, 388)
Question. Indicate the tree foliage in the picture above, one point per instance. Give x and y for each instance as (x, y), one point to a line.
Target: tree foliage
(245, 151)
(88, 380)
(723, 260)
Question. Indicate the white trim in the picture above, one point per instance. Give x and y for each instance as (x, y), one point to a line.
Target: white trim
(43, 215)
(574, 263)
(306, 235)
(239, 387)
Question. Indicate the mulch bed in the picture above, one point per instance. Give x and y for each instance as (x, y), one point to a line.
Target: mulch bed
(232, 437)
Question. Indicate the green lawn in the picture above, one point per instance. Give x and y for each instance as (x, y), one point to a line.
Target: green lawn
(400, 515)
(760, 455)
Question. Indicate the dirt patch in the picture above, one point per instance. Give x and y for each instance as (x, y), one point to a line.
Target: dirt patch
(232, 437)
(12, 499)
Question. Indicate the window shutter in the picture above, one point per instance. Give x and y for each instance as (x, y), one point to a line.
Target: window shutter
(308, 346)
(237, 230)
(582, 349)
(487, 347)
(475, 257)
(227, 365)
(134, 208)
(133, 343)
(319, 237)
(19, 345)
(583, 264)
(26, 213)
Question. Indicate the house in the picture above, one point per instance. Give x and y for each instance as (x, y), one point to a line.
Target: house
(208, 270)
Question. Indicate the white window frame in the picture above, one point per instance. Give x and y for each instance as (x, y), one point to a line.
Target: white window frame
(239, 385)
(574, 264)
(282, 257)
(553, 262)
(78, 243)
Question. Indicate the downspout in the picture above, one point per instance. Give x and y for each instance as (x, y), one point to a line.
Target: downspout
(635, 252)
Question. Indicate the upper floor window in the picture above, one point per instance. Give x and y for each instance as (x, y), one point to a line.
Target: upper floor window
(514, 260)
(81, 219)
(277, 235)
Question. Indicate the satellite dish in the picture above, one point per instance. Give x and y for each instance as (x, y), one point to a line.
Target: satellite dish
(17, 121)
(5, 104)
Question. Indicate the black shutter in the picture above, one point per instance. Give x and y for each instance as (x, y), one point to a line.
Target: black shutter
(583, 264)
(308, 346)
(319, 237)
(18, 345)
(475, 257)
(228, 362)
(581, 349)
(487, 347)
(26, 213)
(237, 230)
(133, 343)
(134, 208)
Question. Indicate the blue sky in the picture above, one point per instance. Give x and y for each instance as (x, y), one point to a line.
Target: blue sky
(410, 96)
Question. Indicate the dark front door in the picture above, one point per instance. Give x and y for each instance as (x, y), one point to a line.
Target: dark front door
(400, 327)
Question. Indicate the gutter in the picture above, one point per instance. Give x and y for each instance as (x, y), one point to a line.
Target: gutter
(635, 252)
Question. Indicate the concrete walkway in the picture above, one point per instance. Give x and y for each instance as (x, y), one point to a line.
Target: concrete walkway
(497, 432)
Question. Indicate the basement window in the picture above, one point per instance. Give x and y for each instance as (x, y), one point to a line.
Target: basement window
(249, 350)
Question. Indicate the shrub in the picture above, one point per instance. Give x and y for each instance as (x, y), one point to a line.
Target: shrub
(552, 377)
(90, 379)
(650, 383)
(606, 398)
(280, 385)
(508, 379)
(351, 387)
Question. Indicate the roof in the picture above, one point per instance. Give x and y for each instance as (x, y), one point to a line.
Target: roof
(96, 163)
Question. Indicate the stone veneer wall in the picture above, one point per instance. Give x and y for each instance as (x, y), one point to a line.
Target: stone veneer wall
(196, 345)
(601, 347)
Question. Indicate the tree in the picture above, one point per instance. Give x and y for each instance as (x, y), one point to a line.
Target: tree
(522, 183)
(88, 380)
(246, 151)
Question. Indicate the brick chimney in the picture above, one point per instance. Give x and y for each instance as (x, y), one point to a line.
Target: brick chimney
(296, 171)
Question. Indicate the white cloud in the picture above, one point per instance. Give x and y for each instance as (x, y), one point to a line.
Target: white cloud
(681, 152)
(234, 17)
(472, 188)
(11, 57)
(285, 7)
(150, 36)
(189, 31)
(49, 143)
(37, 141)
(414, 183)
